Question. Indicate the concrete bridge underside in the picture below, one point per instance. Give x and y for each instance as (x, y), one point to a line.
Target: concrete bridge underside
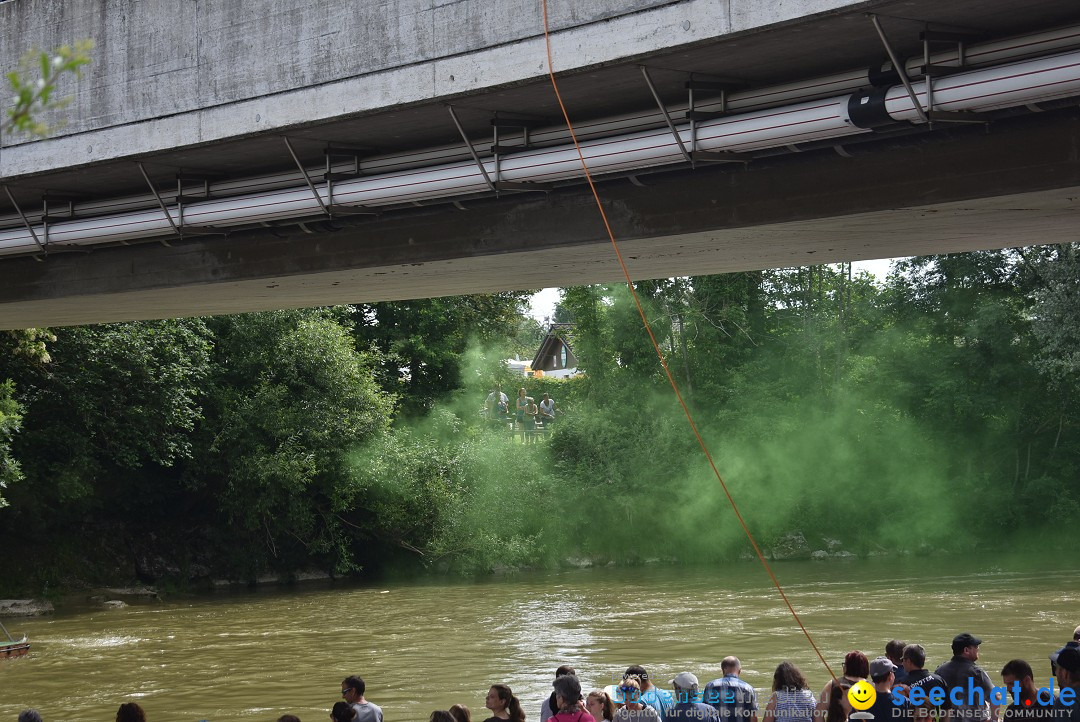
(1015, 183)
(213, 87)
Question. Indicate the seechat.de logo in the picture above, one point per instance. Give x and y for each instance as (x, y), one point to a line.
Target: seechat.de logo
(862, 695)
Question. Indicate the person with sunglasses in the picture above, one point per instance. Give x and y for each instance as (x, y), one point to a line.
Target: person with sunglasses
(352, 689)
(631, 706)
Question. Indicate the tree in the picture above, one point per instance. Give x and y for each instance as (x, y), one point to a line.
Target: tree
(115, 398)
(28, 344)
(10, 419)
(30, 98)
(421, 342)
(289, 399)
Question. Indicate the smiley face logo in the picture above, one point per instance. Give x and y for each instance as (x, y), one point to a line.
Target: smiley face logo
(862, 695)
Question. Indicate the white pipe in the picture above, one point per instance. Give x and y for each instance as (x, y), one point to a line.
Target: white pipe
(1030, 81)
(975, 56)
(1009, 85)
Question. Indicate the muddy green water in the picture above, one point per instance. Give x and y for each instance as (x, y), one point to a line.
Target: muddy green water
(423, 646)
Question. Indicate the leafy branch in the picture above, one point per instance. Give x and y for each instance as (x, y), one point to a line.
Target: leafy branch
(33, 96)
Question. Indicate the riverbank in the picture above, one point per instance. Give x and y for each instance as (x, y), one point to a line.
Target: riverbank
(95, 570)
(789, 550)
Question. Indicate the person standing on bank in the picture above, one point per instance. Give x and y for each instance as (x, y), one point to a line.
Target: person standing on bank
(918, 677)
(688, 707)
(651, 695)
(600, 706)
(519, 406)
(883, 675)
(352, 689)
(792, 700)
(834, 700)
(568, 698)
(960, 671)
(550, 706)
(531, 413)
(503, 705)
(734, 699)
(631, 707)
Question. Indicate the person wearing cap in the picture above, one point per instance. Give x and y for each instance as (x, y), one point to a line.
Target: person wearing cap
(882, 675)
(569, 701)
(956, 673)
(549, 706)
(918, 677)
(1074, 643)
(734, 699)
(687, 707)
(651, 695)
(1067, 704)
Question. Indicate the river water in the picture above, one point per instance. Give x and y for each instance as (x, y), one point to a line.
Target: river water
(425, 645)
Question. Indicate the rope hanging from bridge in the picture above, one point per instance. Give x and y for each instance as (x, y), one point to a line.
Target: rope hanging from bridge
(659, 353)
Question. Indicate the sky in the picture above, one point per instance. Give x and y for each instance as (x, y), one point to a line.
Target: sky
(542, 304)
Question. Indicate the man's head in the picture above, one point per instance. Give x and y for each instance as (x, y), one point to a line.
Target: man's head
(1068, 667)
(731, 665)
(564, 669)
(638, 672)
(882, 670)
(685, 685)
(894, 650)
(1017, 670)
(1076, 634)
(966, 646)
(352, 689)
(29, 715)
(546, 397)
(913, 657)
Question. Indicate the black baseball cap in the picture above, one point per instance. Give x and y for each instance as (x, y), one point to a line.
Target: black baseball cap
(964, 640)
(1069, 658)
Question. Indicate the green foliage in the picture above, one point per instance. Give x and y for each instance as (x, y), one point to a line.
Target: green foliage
(33, 96)
(933, 412)
(290, 395)
(420, 342)
(10, 419)
(115, 398)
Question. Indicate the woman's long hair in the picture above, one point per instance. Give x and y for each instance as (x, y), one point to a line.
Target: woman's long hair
(513, 705)
(787, 676)
(855, 665)
(606, 703)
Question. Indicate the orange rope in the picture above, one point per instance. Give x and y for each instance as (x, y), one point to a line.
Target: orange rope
(659, 353)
